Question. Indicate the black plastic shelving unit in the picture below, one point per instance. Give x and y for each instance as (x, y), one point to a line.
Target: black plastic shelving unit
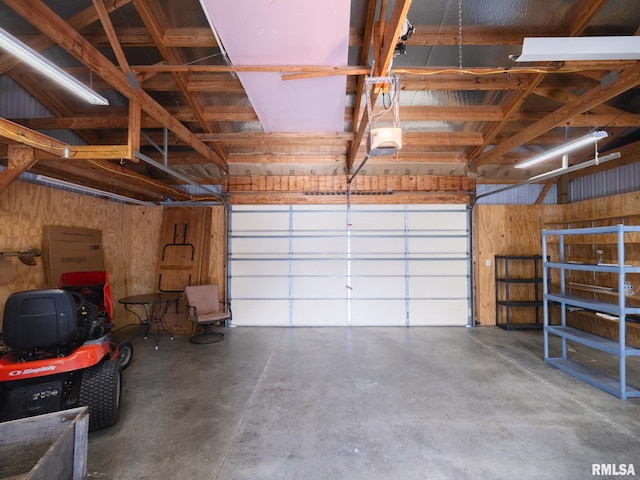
(532, 299)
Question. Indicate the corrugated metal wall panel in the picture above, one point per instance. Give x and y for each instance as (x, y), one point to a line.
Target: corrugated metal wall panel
(193, 190)
(610, 182)
(15, 102)
(522, 195)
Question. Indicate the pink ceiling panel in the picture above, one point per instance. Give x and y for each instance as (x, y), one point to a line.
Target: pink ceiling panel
(287, 32)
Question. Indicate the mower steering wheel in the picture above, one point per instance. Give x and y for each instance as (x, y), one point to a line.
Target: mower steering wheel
(78, 297)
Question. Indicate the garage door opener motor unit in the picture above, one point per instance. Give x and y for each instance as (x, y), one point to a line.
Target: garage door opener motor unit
(384, 139)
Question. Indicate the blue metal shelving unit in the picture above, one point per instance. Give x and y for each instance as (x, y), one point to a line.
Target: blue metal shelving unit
(614, 385)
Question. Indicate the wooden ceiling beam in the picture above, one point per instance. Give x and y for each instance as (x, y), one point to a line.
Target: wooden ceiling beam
(104, 175)
(194, 37)
(436, 35)
(43, 18)
(543, 192)
(17, 133)
(247, 114)
(382, 64)
(114, 43)
(628, 79)
(513, 103)
(260, 140)
(293, 159)
(58, 149)
(423, 158)
(565, 97)
(155, 21)
(587, 120)
(437, 113)
(409, 138)
(229, 114)
(102, 122)
(21, 159)
(275, 138)
(364, 56)
(441, 138)
(455, 113)
(78, 22)
(427, 78)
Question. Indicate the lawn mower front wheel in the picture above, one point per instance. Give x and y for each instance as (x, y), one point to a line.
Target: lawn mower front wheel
(100, 391)
(125, 353)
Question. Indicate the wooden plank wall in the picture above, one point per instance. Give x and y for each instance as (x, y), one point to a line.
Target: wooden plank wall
(331, 189)
(515, 230)
(501, 230)
(129, 237)
(216, 260)
(601, 210)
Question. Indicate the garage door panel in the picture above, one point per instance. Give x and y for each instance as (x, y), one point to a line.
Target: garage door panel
(260, 247)
(320, 312)
(450, 219)
(260, 287)
(378, 312)
(256, 219)
(332, 267)
(437, 267)
(320, 219)
(260, 268)
(318, 287)
(438, 312)
(260, 312)
(387, 267)
(319, 246)
(438, 287)
(379, 246)
(377, 287)
(375, 220)
(436, 245)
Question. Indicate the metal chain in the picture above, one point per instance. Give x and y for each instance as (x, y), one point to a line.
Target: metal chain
(460, 34)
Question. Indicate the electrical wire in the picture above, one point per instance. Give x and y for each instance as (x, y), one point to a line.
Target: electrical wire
(493, 71)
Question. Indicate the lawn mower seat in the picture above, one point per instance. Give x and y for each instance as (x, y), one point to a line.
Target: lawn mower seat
(46, 319)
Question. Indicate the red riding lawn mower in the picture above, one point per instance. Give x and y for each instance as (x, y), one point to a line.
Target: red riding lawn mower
(59, 353)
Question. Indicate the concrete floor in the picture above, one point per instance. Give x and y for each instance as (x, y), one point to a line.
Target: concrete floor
(363, 403)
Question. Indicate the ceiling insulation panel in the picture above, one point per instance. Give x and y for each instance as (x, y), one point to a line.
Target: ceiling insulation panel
(287, 32)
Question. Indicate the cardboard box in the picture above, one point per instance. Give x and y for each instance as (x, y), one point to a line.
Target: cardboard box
(176, 320)
(176, 324)
(70, 249)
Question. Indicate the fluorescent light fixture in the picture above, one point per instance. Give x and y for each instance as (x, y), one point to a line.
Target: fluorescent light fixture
(554, 173)
(28, 55)
(551, 49)
(93, 191)
(593, 137)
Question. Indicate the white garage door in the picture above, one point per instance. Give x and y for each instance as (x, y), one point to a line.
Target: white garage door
(298, 265)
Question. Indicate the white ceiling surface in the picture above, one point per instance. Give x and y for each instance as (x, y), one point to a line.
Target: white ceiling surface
(287, 32)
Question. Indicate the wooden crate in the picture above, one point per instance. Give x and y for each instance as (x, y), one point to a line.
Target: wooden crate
(53, 445)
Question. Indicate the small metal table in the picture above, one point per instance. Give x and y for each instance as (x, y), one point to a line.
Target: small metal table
(152, 308)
